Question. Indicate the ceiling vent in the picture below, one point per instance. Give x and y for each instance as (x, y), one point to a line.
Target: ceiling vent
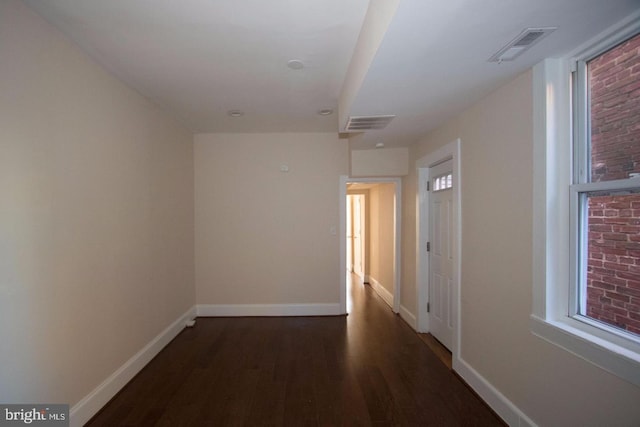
(362, 123)
(524, 41)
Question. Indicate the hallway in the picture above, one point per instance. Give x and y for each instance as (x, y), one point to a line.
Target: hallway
(368, 368)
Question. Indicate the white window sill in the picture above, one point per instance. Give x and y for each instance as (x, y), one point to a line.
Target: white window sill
(611, 357)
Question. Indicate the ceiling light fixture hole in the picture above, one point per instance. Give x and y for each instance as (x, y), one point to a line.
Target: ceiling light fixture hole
(295, 64)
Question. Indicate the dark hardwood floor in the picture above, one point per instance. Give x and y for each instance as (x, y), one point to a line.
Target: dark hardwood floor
(438, 349)
(368, 368)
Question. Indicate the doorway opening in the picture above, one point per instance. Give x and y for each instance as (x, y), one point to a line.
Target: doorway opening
(357, 243)
(370, 224)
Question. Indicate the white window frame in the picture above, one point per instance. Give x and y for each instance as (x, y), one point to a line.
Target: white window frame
(554, 202)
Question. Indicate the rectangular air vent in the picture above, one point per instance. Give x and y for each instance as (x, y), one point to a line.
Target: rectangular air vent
(362, 123)
(522, 42)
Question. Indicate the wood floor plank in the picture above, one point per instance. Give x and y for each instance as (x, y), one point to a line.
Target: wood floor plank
(365, 369)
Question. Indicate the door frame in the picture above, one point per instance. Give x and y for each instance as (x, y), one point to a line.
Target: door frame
(451, 151)
(397, 266)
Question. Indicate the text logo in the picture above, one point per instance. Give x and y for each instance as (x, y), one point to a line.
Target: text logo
(40, 415)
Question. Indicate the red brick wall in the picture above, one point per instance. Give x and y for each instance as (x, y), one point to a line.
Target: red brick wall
(615, 112)
(613, 271)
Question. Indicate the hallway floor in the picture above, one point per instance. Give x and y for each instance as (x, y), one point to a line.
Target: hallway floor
(368, 368)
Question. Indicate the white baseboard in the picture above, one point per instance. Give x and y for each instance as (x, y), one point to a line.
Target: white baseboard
(382, 291)
(82, 411)
(509, 412)
(256, 310)
(408, 317)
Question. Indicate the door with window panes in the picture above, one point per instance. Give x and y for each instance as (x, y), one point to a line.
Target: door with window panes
(441, 249)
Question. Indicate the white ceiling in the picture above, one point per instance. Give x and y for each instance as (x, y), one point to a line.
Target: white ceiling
(432, 63)
(199, 59)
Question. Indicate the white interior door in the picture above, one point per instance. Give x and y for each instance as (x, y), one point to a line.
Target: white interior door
(441, 253)
(358, 252)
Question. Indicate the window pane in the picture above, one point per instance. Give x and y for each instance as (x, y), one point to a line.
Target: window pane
(443, 182)
(613, 259)
(614, 83)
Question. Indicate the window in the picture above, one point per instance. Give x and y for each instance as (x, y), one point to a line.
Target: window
(443, 182)
(586, 230)
(606, 189)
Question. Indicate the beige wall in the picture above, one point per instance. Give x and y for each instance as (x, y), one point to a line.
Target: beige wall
(380, 162)
(548, 384)
(264, 236)
(381, 234)
(96, 217)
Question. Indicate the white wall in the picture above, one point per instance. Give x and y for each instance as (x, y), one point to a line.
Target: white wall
(551, 386)
(96, 217)
(264, 236)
